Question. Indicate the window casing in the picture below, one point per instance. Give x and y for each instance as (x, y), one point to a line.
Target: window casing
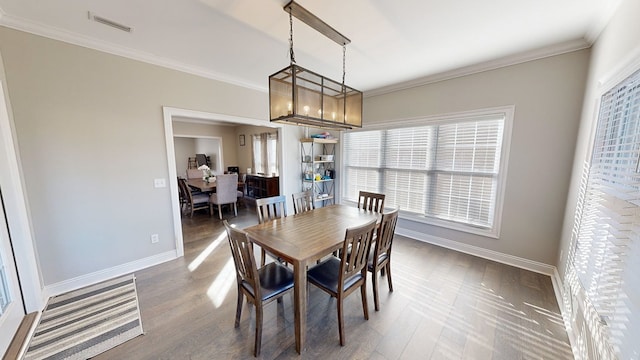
(448, 171)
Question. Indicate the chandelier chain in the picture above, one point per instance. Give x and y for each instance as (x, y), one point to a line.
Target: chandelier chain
(292, 56)
(344, 62)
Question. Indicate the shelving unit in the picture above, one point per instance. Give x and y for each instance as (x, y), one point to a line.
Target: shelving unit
(318, 170)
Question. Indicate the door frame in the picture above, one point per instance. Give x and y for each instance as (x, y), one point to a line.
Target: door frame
(168, 115)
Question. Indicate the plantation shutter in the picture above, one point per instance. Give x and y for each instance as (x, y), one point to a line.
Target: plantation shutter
(606, 254)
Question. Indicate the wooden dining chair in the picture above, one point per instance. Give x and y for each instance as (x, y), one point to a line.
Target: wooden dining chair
(380, 258)
(371, 201)
(260, 286)
(226, 193)
(268, 209)
(302, 201)
(193, 201)
(341, 277)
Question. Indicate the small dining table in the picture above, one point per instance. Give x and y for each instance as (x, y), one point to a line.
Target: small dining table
(204, 186)
(303, 238)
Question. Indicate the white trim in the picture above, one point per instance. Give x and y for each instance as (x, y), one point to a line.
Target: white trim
(36, 28)
(625, 68)
(16, 207)
(553, 50)
(106, 274)
(66, 36)
(168, 114)
(519, 262)
(557, 283)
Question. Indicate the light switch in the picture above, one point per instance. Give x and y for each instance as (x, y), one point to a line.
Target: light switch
(159, 183)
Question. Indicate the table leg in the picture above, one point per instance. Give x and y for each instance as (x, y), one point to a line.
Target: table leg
(300, 295)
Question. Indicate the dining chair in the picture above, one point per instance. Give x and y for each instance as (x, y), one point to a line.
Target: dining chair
(226, 193)
(260, 286)
(268, 209)
(302, 201)
(194, 174)
(380, 258)
(193, 201)
(371, 201)
(341, 277)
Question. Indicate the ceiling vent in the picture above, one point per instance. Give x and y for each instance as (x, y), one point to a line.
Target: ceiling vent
(108, 22)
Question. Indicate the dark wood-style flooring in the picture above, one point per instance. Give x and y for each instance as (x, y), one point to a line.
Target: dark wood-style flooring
(446, 305)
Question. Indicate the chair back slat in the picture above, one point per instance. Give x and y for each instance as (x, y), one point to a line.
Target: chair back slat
(371, 201)
(384, 236)
(358, 239)
(302, 201)
(271, 208)
(242, 252)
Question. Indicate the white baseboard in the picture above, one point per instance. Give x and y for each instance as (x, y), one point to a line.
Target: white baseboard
(106, 274)
(519, 262)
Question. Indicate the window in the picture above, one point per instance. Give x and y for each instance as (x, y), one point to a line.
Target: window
(605, 255)
(265, 159)
(444, 171)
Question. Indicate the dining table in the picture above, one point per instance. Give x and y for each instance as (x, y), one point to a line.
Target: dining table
(302, 239)
(204, 186)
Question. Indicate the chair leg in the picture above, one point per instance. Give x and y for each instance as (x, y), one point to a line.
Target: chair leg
(340, 320)
(365, 306)
(263, 258)
(374, 280)
(388, 266)
(239, 307)
(220, 211)
(258, 341)
(235, 208)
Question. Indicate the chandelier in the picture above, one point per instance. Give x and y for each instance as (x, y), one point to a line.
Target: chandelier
(302, 97)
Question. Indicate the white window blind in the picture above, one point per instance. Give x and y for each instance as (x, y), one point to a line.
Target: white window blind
(606, 247)
(449, 171)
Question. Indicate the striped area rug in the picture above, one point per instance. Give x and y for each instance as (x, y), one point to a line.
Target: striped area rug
(85, 322)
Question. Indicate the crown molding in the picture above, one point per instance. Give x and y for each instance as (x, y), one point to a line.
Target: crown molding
(557, 49)
(54, 33)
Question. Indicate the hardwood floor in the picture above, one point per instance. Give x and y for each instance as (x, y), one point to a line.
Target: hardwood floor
(445, 305)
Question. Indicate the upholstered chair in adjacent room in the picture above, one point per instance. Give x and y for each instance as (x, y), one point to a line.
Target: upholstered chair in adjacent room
(226, 193)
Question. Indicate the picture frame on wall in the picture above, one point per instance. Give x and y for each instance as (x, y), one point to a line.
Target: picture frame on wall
(242, 141)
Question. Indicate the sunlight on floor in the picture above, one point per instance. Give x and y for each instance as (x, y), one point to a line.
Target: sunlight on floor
(206, 252)
(220, 287)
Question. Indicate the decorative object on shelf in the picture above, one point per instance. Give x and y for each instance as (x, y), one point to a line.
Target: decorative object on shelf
(207, 174)
(242, 140)
(302, 97)
(318, 173)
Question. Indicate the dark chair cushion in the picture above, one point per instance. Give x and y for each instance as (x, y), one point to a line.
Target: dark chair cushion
(327, 273)
(274, 280)
(381, 258)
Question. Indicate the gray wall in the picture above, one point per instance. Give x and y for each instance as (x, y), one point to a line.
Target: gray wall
(183, 148)
(90, 132)
(547, 95)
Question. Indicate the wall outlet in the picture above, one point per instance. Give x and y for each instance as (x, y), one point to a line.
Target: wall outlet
(155, 238)
(159, 183)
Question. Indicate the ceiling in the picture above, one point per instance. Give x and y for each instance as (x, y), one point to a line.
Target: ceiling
(393, 43)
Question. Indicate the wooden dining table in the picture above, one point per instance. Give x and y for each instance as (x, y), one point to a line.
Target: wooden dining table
(204, 186)
(303, 238)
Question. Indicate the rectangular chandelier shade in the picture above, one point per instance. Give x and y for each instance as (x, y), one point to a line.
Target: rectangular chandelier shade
(301, 97)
